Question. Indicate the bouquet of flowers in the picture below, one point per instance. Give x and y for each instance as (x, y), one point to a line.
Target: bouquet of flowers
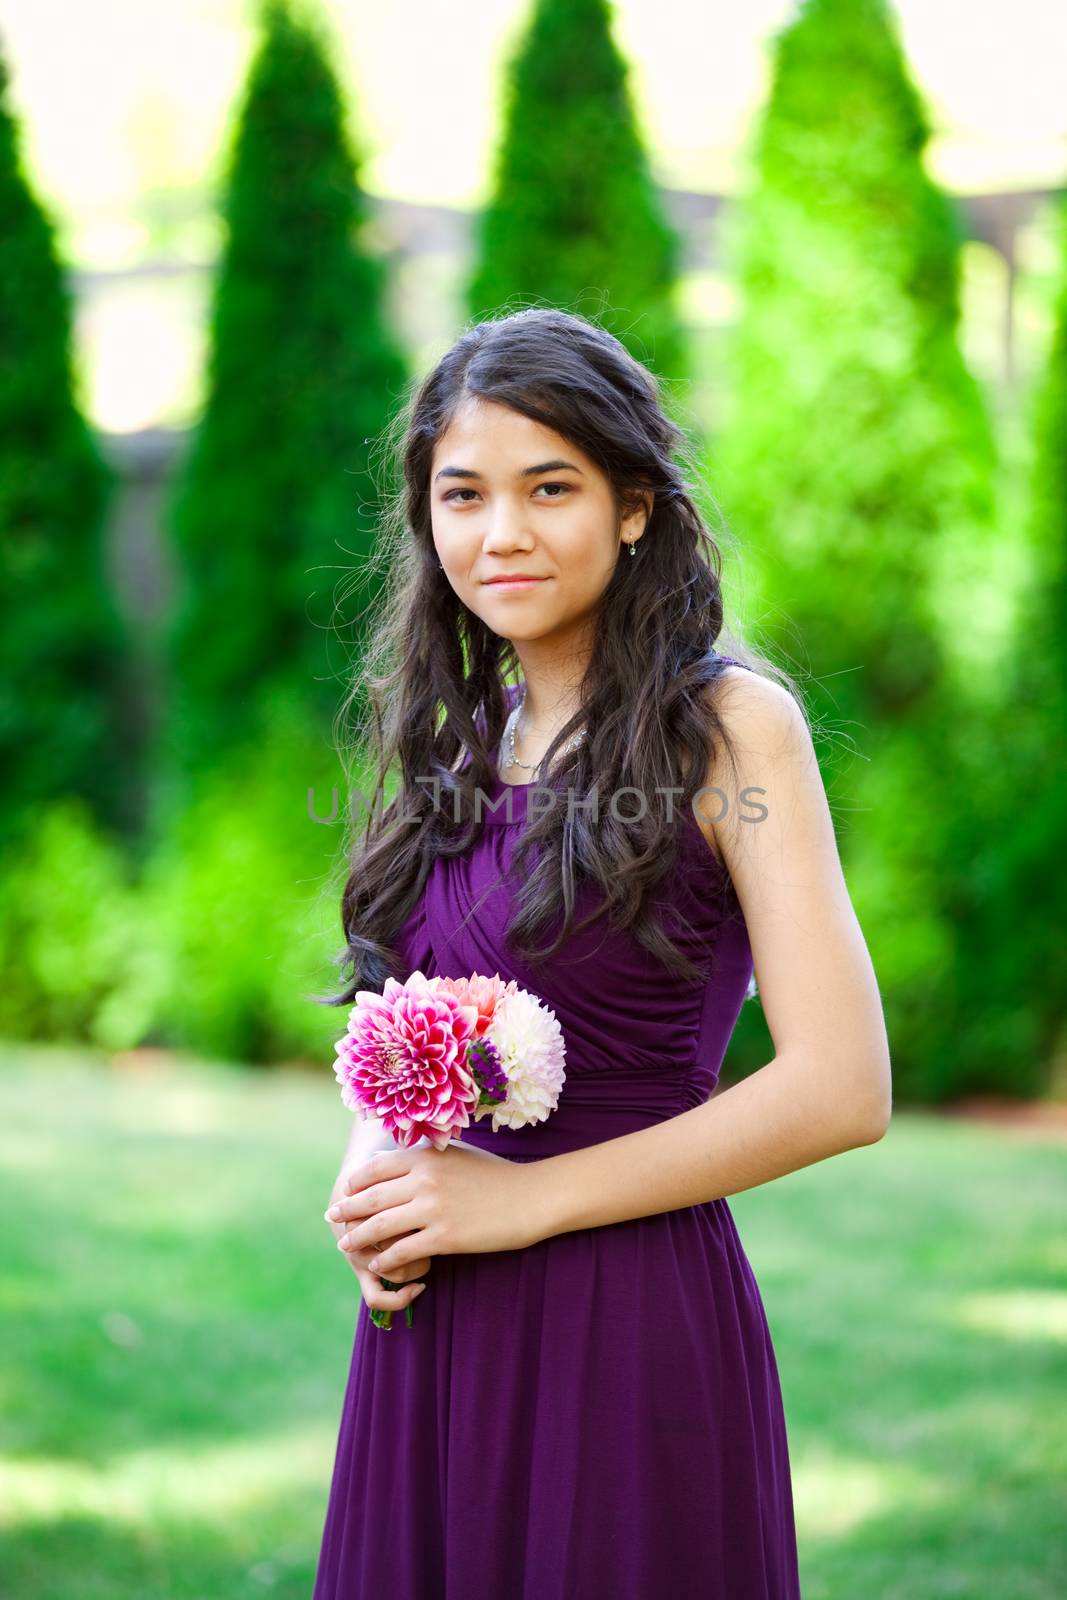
(426, 1055)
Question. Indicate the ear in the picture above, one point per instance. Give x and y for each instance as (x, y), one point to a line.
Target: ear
(635, 520)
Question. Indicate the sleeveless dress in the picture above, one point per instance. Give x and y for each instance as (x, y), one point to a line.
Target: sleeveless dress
(597, 1416)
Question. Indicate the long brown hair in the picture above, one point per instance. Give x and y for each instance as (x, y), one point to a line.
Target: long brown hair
(429, 702)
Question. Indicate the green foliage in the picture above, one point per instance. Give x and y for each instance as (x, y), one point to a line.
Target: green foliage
(76, 950)
(276, 501)
(574, 214)
(228, 928)
(1039, 683)
(1014, 932)
(276, 497)
(858, 436)
(60, 637)
(857, 468)
(245, 891)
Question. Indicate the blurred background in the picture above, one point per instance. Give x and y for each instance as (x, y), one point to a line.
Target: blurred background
(230, 235)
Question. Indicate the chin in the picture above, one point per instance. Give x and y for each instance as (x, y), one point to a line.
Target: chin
(527, 635)
(493, 615)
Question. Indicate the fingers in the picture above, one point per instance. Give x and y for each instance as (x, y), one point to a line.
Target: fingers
(355, 1207)
(404, 1273)
(379, 1299)
(361, 1250)
(392, 1225)
(381, 1164)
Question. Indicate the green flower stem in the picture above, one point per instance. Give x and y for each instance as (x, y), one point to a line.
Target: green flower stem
(384, 1319)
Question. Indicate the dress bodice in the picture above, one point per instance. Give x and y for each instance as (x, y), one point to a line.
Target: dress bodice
(642, 1043)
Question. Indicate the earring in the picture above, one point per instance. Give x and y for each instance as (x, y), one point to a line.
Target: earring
(633, 547)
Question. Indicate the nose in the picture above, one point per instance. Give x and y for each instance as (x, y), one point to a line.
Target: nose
(506, 532)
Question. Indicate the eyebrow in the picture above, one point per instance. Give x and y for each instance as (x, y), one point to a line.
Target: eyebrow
(527, 472)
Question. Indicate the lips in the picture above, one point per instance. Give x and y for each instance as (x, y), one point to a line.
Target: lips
(514, 577)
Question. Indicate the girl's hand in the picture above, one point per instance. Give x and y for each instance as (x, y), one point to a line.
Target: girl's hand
(370, 1284)
(366, 1137)
(425, 1202)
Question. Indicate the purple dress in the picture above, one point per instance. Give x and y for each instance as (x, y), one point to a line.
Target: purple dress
(598, 1415)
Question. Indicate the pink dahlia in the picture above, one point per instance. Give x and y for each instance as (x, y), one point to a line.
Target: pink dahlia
(404, 1059)
(482, 993)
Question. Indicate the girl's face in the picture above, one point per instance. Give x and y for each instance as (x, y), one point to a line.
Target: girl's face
(510, 497)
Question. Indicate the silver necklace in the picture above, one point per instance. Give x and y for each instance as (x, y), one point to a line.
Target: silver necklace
(508, 757)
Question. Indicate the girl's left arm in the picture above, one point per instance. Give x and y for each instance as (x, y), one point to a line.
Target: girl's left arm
(828, 1087)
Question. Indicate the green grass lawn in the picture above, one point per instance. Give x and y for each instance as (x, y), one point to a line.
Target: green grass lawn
(177, 1326)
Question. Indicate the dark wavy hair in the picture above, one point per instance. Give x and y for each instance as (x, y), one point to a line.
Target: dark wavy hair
(429, 699)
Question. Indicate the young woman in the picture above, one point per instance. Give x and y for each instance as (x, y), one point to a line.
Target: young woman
(587, 1403)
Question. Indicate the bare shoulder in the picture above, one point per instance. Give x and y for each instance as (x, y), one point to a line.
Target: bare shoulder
(770, 742)
(756, 709)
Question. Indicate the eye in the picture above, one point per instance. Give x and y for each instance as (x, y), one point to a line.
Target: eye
(567, 488)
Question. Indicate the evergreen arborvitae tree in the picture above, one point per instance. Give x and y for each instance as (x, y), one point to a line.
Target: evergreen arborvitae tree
(1040, 661)
(275, 517)
(1015, 931)
(575, 220)
(858, 457)
(60, 636)
(277, 495)
(856, 467)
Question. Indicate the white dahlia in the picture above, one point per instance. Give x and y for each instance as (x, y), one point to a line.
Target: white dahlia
(529, 1040)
